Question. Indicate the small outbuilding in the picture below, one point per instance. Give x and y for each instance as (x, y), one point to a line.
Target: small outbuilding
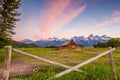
(70, 45)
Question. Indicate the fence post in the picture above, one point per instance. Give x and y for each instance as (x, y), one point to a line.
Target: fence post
(81, 64)
(6, 68)
(112, 64)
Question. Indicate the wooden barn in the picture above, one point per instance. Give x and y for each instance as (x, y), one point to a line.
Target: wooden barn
(70, 45)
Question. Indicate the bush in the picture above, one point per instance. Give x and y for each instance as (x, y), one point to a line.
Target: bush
(114, 42)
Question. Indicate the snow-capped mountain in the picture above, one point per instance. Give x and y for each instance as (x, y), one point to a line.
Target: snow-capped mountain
(86, 41)
(50, 42)
(91, 39)
(27, 41)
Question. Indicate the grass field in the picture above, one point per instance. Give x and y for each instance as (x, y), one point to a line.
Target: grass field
(100, 69)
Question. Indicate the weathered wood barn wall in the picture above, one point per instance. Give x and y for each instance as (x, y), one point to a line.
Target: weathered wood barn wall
(70, 45)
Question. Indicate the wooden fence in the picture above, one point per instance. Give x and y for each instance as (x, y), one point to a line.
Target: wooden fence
(9, 49)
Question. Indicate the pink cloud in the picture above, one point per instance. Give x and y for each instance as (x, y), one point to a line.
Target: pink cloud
(104, 26)
(57, 13)
(26, 30)
(18, 29)
(109, 22)
(68, 33)
(114, 34)
(16, 38)
(55, 16)
(29, 23)
(116, 13)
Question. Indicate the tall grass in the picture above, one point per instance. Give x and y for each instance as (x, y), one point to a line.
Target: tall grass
(99, 69)
(2, 55)
(41, 74)
(97, 72)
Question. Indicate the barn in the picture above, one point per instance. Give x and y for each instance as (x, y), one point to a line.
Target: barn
(70, 45)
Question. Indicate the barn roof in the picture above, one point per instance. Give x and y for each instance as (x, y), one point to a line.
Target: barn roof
(67, 42)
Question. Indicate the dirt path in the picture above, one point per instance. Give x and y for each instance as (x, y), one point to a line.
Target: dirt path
(18, 67)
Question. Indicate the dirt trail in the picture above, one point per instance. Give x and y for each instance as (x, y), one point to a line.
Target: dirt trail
(18, 67)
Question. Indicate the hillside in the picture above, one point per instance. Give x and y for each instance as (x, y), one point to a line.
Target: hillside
(16, 44)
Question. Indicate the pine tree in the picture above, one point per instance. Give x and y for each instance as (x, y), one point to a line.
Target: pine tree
(8, 18)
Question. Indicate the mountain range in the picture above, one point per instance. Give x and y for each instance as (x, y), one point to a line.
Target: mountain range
(86, 41)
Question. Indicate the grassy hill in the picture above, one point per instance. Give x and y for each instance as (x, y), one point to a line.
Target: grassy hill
(99, 69)
(21, 45)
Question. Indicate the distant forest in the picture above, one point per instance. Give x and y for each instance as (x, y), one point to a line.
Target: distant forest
(114, 42)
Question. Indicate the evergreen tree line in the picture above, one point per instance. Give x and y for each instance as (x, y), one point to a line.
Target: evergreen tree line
(114, 42)
(8, 18)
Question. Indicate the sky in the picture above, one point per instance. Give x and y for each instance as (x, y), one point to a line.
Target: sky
(42, 19)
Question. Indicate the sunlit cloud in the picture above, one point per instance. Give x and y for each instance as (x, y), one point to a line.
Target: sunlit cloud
(26, 30)
(68, 33)
(109, 22)
(116, 13)
(66, 18)
(58, 15)
(114, 35)
(104, 26)
(54, 17)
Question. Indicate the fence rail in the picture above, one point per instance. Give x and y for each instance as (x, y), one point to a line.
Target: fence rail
(82, 64)
(43, 59)
(9, 49)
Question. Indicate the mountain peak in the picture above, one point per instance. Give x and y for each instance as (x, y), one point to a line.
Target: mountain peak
(27, 41)
(86, 41)
(91, 35)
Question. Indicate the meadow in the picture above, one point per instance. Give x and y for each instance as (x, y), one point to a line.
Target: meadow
(99, 69)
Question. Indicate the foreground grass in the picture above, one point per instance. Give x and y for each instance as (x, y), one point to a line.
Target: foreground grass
(100, 69)
(2, 56)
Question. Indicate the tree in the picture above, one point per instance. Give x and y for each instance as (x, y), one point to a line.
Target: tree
(114, 42)
(8, 17)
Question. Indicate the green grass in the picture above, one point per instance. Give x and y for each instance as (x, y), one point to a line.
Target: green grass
(99, 69)
(41, 74)
(2, 56)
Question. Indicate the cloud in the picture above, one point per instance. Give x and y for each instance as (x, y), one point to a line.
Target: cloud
(26, 30)
(105, 26)
(57, 14)
(108, 22)
(68, 33)
(18, 31)
(116, 13)
(115, 34)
